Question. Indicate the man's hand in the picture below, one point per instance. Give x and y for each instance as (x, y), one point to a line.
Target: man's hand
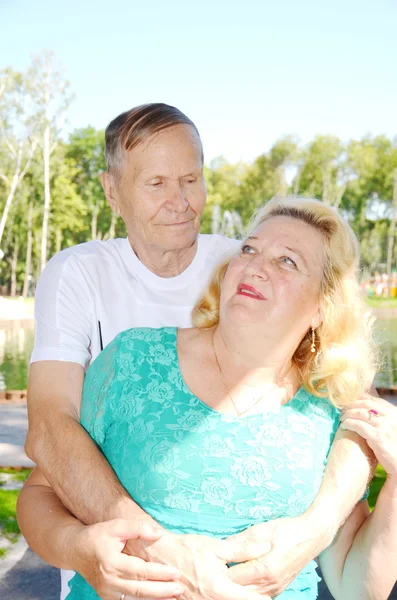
(98, 551)
(202, 562)
(282, 547)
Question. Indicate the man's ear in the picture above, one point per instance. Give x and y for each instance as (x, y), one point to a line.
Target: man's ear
(110, 189)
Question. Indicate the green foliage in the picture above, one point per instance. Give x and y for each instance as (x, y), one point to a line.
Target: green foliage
(357, 176)
(8, 506)
(377, 482)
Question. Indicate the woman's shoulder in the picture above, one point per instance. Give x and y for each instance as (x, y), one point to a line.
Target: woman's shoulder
(132, 344)
(317, 406)
(142, 336)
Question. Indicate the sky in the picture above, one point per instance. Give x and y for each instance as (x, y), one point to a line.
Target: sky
(246, 72)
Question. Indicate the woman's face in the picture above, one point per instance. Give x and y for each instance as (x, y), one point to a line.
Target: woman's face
(275, 281)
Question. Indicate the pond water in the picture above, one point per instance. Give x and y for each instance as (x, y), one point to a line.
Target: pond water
(16, 343)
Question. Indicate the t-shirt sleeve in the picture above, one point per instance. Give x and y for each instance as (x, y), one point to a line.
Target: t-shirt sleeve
(63, 312)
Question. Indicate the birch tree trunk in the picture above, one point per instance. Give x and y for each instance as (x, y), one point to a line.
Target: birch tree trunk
(392, 230)
(47, 196)
(112, 228)
(298, 179)
(14, 264)
(58, 241)
(28, 259)
(339, 195)
(11, 193)
(94, 221)
(327, 184)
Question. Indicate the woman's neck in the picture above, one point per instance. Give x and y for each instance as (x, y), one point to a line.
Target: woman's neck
(245, 352)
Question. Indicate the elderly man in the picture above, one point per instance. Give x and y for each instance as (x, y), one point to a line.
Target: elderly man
(86, 296)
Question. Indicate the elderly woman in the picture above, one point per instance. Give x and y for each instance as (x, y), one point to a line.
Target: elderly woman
(219, 428)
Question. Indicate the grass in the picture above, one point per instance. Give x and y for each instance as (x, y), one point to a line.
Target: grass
(382, 302)
(8, 503)
(376, 485)
(18, 474)
(29, 300)
(8, 520)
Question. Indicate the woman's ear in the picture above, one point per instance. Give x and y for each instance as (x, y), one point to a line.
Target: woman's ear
(317, 319)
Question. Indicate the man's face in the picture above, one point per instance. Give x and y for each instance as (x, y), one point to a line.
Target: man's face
(160, 192)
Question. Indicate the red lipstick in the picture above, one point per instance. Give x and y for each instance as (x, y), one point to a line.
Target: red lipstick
(247, 290)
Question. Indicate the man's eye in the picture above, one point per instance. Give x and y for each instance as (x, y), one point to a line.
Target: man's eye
(156, 183)
(246, 249)
(190, 180)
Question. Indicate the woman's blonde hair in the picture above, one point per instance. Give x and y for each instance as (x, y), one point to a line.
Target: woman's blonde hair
(345, 361)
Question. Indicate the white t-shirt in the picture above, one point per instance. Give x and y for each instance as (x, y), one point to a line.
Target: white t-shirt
(89, 293)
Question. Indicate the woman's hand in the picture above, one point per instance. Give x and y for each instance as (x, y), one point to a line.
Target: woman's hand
(375, 420)
(100, 560)
(202, 562)
(270, 555)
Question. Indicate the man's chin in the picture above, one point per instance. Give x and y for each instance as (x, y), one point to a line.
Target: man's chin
(175, 239)
(179, 243)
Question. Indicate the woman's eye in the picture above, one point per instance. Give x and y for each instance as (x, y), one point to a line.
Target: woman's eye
(246, 249)
(288, 261)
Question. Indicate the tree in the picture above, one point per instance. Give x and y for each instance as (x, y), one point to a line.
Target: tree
(17, 144)
(67, 224)
(223, 192)
(50, 94)
(326, 171)
(86, 150)
(392, 229)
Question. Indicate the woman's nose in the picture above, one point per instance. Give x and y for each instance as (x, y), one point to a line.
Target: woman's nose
(258, 266)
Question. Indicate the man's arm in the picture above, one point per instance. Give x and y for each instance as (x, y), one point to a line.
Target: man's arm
(72, 463)
(94, 551)
(192, 564)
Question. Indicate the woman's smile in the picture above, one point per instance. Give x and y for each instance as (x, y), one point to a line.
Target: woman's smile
(247, 290)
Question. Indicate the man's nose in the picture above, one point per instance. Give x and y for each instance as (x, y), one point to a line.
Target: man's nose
(177, 200)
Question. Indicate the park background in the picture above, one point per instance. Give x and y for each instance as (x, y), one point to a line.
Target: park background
(289, 97)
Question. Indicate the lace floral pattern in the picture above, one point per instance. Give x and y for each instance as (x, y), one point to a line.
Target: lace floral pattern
(195, 469)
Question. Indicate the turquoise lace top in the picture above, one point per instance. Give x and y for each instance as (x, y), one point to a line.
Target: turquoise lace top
(192, 468)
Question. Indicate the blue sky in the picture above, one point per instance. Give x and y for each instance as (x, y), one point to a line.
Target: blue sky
(246, 72)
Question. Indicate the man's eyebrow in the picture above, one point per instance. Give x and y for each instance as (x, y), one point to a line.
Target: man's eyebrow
(251, 237)
(155, 174)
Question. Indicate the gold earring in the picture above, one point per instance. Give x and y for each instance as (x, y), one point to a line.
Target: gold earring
(313, 345)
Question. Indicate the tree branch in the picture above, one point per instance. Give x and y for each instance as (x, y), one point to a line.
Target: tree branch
(4, 177)
(29, 159)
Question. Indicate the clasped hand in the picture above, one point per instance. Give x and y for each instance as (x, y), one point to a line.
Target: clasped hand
(194, 567)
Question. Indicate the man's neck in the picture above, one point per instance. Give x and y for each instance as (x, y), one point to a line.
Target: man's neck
(165, 263)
